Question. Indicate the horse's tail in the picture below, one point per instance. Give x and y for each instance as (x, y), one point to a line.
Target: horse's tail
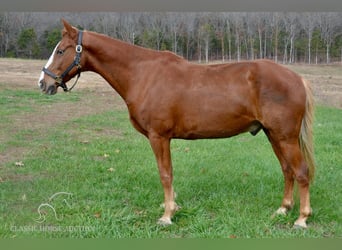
(306, 131)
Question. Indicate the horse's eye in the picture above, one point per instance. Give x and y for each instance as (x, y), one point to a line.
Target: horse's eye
(60, 52)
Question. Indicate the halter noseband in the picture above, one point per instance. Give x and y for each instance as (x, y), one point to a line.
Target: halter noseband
(75, 63)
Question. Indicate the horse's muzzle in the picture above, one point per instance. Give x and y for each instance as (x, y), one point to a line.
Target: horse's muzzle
(50, 90)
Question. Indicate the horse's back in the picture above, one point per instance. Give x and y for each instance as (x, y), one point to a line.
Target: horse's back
(198, 101)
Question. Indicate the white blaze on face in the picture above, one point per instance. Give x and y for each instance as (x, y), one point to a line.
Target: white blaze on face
(48, 64)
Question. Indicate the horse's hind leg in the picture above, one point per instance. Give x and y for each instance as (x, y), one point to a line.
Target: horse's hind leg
(294, 167)
(287, 203)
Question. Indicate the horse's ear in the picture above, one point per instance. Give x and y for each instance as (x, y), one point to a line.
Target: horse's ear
(68, 29)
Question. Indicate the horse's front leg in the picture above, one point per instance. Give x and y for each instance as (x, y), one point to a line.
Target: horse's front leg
(161, 149)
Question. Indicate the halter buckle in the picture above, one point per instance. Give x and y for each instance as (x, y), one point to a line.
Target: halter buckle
(78, 48)
(58, 79)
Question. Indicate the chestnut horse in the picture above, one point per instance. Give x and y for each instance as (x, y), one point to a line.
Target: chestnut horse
(168, 97)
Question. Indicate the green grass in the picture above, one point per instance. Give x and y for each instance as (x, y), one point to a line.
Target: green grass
(14, 101)
(227, 188)
(15, 104)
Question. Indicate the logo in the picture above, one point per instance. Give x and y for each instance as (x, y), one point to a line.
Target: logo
(54, 205)
(42, 214)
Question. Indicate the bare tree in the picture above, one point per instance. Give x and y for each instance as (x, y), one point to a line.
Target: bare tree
(127, 27)
(237, 21)
(289, 22)
(4, 33)
(228, 30)
(219, 25)
(106, 23)
(203, 35)
(308, 22)
(155, 25)
(189, 27)
(11, 26)
(251, 28)
(274, 26)
(328, 22)
(176, 23)
(260, 22)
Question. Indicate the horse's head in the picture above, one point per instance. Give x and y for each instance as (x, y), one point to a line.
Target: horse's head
(64, 62)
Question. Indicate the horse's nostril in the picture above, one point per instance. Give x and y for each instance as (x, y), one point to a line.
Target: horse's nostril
(51, 90)
(41, 85)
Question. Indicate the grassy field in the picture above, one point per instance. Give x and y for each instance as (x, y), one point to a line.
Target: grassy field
(73, 166)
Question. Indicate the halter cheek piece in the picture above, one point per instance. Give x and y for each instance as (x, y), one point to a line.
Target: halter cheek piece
(75, 63)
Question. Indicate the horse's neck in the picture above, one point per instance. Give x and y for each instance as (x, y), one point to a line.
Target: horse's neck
(113, 60)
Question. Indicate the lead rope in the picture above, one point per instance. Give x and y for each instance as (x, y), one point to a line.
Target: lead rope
(78, 76)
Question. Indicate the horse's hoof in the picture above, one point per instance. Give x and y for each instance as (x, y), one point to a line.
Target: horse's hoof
(164, 222)
(281, 211)
(300, 225)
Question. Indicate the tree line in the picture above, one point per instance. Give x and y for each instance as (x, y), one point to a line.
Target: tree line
(285, 37)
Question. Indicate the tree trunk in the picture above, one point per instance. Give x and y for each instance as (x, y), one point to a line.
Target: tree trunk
(260, 43)
(309, 48)
(187, 47)
(276, 44)
(291, 49)
(247, 50)
(175, 42)
(238, 48)
(229, 42)
(316, 59)
(199, 50)
(207, 49)
(285, 53)
(265, 44)
(252, 48)
(222, 47)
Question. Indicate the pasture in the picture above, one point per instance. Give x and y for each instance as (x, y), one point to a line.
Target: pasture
(71, 165)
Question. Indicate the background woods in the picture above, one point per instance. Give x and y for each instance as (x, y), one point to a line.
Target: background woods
(283, 37)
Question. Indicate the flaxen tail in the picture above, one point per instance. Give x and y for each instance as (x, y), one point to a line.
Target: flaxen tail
(306, 132)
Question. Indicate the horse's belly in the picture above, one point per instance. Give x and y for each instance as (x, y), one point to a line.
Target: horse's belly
(218, 127)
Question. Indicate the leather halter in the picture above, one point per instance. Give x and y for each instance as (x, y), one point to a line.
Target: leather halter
(75, 63)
